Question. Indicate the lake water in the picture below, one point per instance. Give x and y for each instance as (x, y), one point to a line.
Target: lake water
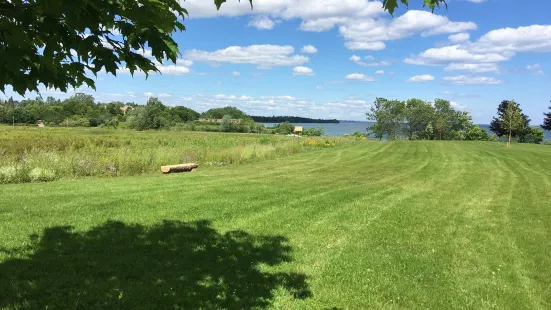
(344, 127)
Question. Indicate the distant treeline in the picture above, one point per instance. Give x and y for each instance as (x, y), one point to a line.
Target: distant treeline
(82, 110)
(416, 119)
(292, 119)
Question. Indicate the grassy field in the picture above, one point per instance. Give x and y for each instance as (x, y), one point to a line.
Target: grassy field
(30, 154)
(439, 225)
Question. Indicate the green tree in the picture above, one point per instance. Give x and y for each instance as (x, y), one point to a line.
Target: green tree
(497, 127)
(185, 114)
(154, 115)
(512, 120)
(449, 124)
(419, 114)
(547, 121)
(219, 113)
(390, 117)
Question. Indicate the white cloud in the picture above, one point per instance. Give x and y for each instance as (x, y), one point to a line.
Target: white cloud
(321, 24)
(262, 23)
(364, 21)
(421, 78)
(493, 47)
(145, 52)
(534, 38)
(113, 94)
(180, 68)
(284, 98)
(454, 53)
(355, 58)
(355, 101)
(358, 60)
(359, 77)
(287, 9)
(319, 87)
(300, 70)
(173, 70)
(457, 106)
(309, 49)
(536, 68)
(460, 37)
(284, 105)
(148, 94)
(236, 74)
(264, 56)
(165, 95)
(471, 80)
(381, 72)
(131, 94)
(370, 34)
(365, 46)
(184, 62)
(477, 68)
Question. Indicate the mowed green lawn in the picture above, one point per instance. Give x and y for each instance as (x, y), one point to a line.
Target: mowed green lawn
(440, 225)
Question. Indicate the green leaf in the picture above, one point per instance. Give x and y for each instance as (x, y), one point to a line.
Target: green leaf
(218, 3)
(391, 5)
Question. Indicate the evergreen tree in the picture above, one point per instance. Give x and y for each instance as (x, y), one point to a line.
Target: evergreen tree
(547, 121)
(497, 127)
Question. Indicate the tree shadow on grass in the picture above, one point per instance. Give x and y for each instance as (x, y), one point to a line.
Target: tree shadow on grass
(169, 265)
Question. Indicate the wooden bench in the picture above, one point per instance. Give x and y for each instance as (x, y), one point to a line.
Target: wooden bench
(179, 168)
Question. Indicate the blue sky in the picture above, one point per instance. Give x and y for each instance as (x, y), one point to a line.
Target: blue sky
(331, 58)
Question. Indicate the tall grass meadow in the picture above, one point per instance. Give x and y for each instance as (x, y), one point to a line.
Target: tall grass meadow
(45, 154)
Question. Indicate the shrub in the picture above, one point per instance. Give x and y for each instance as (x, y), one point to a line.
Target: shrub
(77, 121)
(83, 167)
(7, 174)
(15, 174)
(284, 128)
(226, 124)
(532, 135)
(476, 133)
(42, 175)
(313, 132)
(257, 128)
(358, 134)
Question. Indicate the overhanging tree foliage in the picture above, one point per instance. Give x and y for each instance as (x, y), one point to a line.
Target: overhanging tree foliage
(61, 43)
(391, 5)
